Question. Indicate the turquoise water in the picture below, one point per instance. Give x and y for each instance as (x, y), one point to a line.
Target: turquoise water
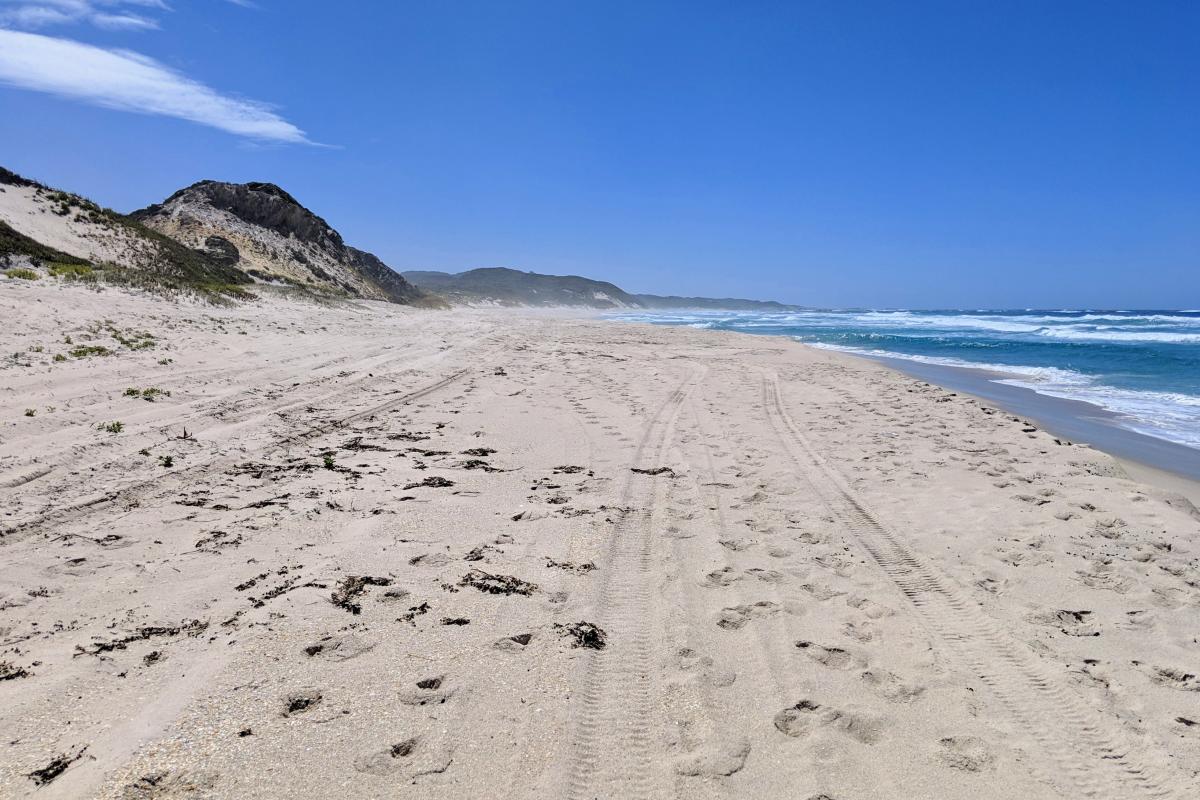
(1143, 366)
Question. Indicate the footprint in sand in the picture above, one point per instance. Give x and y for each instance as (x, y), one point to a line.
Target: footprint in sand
(714, 760)
(965, 753)
(338, 648)
(832, 657)
(169, 784)
(1171, 677)
(807, 717)
(429, 691)
(719, 578)
(513, 644)
(869, 607)
(411, 757)
(891, 687)
(735, 617)
(736, 545)
(301, 702)
(703, 666)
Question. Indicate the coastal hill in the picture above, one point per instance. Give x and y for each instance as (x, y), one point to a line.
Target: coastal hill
(268, 234)
(210, 236)
(509, 287)
(40, 225)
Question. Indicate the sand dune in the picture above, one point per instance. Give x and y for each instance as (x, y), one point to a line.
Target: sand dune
(362, 550)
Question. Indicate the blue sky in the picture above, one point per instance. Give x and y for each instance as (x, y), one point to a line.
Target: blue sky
(917, 154)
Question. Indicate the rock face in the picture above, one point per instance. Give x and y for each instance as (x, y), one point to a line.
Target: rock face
(266, 233)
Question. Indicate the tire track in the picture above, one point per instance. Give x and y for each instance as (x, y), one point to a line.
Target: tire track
(1090, 755)
(614, 743)
(173, 481)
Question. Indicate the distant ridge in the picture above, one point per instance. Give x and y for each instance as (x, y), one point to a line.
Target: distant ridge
(509, 287)
(656, 301)
(500, 286)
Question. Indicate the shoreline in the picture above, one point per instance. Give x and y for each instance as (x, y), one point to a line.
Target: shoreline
(1168, 465)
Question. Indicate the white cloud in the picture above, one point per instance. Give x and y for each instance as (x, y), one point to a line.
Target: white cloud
(119, 22)
(108, 14)
(128, 81)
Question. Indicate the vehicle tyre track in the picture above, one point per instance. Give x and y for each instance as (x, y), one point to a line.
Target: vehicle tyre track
(1090, 755)
(613, 738)
(176, 479)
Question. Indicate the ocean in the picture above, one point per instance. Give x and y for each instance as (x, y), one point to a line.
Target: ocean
(1142, 366)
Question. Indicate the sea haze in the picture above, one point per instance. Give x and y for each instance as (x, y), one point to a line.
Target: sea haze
(1143, 366)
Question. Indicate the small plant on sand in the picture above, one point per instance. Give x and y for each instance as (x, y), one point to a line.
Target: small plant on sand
(68, 340)
(166, 461)
(85, 350)
(164, 361)
(327, 460)
(59, 357)
(111, 427)
(149, 394)
(23, 274)
(29, 412)
(145, 451)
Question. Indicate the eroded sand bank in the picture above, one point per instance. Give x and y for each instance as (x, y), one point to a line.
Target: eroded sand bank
(485, 554)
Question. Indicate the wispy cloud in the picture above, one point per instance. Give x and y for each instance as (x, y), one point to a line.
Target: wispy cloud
(108, 14)
(128, 81)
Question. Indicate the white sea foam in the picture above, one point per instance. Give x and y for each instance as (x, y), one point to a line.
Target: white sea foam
(1166, 415)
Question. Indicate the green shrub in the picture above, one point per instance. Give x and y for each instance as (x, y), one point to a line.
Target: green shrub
(166, 461)
(111, 427)
(59, 357)
(29, 412)
(22, 273)
(72, 272)
(149, 394)
(85, 350)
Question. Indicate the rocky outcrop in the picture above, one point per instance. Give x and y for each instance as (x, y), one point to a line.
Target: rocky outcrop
(269, 235)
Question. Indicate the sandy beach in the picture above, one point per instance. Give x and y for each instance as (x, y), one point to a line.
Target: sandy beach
(285, 549)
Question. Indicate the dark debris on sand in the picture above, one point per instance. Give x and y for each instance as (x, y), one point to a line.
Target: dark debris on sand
(654, 471)
(497, 584)
(9, 672)
(193, 628)
(433, 482)
(585, 634)
(56, 767)
(478, 463)
(570, 566)
(351, 587)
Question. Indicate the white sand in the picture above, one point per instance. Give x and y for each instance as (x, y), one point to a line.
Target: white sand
(843, 584)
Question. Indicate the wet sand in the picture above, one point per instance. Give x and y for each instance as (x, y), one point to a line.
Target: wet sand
(369, 551)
